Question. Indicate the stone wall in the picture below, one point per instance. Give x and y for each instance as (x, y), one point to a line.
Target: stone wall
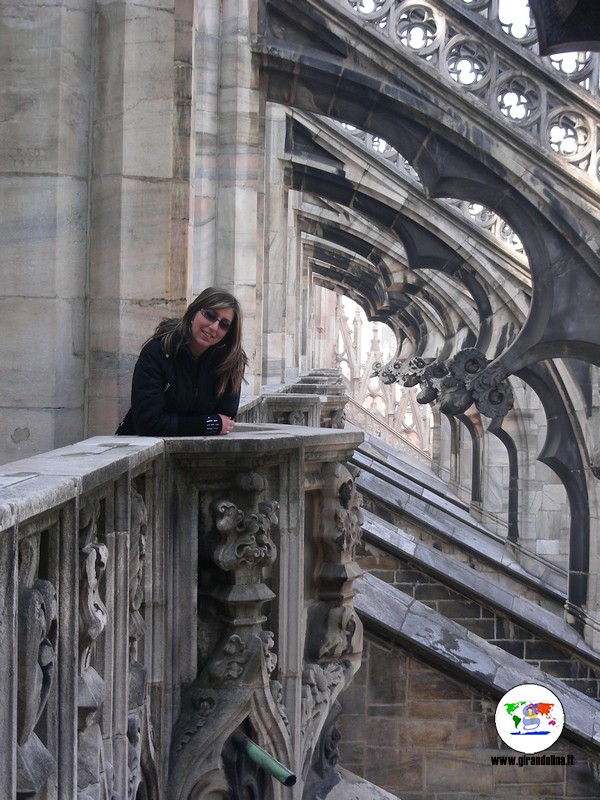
(423, 735)
(487, 621)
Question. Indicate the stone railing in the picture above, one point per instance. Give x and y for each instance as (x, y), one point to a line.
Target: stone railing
(318, 399)
(163, 599)
(372, 424)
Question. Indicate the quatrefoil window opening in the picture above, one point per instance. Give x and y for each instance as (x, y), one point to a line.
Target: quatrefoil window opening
(569, 134)
(418, 29)
(571, 64)
(468, 62)
(489, 220)
(509, 237)
(481, 215)
(518, 99)
(375, 11)
(515, 19)
(477, 5)
(381, 146)
(367, 7)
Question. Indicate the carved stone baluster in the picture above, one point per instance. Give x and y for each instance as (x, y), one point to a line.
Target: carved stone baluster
(94, 772)
(234, 686)
(334, 635)
(141, 757)
(37, 636)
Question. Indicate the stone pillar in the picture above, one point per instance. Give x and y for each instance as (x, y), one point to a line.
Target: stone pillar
(183, 194)
(325, 330)
(278, 323)
(206, 126)
(46, 58)
(134, 277)
(240, 197)
(297, 290)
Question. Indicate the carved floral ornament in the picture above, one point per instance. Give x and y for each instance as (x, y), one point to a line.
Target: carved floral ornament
(246, 538)
(456, 384)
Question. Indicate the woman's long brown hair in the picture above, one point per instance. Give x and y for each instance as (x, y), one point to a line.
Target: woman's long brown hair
(174, 333)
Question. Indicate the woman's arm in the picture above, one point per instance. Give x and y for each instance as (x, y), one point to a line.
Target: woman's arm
(149, 386)
(228, 404)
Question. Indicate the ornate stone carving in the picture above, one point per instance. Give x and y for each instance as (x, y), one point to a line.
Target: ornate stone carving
(323, 775)
(342, 516)
(342, 625)
(137, 561)
(246, 537)
(237, 669)
(456, 384)
(231, 665)
(95, 775)
(141, 758)
(37, 637)
(495, 401)
(338, 418)
(431, 378)
(93, 557)
(394, 371)
(37, 643)
(134, 754)
(334, 630)
(467, 363)
(200, 704)
(319, 684)
(296, 417)
(277, 694)
(268, 642)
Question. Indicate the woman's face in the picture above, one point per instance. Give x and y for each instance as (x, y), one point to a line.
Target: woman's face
(208, 327)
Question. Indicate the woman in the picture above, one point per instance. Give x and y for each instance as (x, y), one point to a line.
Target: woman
(188, 377)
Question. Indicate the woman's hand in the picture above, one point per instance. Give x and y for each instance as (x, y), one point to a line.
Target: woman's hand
(226, 424)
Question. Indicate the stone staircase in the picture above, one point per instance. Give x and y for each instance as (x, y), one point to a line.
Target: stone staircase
(441, 585)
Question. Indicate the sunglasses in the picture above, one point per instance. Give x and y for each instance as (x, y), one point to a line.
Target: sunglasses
(211, 317)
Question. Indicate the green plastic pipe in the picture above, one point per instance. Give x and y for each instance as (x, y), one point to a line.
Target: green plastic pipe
(264, 760)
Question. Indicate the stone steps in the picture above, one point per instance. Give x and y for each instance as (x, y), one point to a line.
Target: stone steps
(504, 617)
(469, 657)
(447, 562)
(418, 502)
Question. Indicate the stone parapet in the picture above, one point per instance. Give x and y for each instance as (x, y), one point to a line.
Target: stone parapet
(164, 596)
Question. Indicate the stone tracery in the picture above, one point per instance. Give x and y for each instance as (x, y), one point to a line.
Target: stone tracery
(464, 57)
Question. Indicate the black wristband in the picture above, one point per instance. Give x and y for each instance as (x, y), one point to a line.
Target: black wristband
(214, 423)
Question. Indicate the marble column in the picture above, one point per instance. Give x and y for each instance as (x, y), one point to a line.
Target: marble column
(137, 276)
(240, 193)
(46, 62)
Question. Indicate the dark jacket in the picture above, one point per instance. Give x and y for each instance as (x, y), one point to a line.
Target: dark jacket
(176, 395)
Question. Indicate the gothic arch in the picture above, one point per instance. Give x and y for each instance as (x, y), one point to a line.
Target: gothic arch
(321, 75)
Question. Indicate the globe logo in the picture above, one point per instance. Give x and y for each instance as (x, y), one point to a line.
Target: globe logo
(529, 718)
